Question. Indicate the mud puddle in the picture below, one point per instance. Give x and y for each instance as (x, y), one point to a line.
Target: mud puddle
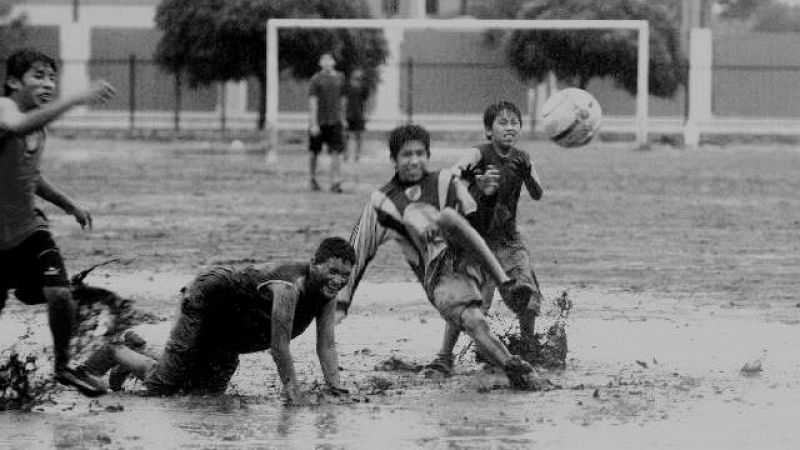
(640, 374)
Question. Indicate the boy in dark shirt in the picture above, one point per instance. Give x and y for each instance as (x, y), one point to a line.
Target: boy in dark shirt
(502, 162)
(230, 310)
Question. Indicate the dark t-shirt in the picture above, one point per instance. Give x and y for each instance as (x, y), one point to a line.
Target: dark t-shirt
(240, 317)
(329, 90)
(356, 102)
(20, 157)
(513, 168)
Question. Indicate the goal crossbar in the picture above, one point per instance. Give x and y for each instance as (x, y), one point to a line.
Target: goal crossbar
(640, 26)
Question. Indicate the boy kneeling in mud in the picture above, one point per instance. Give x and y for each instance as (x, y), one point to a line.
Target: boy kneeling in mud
(230, 310)
(418, 209)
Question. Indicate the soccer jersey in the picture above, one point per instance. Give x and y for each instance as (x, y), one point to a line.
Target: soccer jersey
(20, 157)
(398, 211)
(239, 316)
(514, 169)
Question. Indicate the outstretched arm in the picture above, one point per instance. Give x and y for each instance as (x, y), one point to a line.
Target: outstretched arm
(49, 192)
(14, 122)
(284, 300)
(326, 347)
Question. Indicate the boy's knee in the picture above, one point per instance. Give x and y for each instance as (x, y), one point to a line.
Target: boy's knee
(473, 320)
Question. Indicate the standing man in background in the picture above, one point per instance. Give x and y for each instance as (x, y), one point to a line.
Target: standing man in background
(326, 105)
(357, 94)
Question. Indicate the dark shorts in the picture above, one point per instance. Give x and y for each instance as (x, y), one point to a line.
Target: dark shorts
(193, 361)
(355, 124)
(516, 261)
(330, 135)
(33, 264)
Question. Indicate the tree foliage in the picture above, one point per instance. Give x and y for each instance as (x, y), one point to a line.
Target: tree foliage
(220, 40)
(741, 9)
(777, 18)
(579, 56)
(8, 24)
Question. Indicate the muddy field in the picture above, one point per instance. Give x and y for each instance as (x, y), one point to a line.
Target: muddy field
(683, 267)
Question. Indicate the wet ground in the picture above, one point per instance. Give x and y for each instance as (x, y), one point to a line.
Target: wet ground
(654, 379)
(683, 267)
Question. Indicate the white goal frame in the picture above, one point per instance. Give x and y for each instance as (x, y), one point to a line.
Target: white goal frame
(640, 26)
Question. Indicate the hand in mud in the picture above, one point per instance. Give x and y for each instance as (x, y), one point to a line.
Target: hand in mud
(295, 397)
(336, 390)
(489, 181)
(83, 218)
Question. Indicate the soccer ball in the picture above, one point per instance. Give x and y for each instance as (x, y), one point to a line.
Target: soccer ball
(571, 117)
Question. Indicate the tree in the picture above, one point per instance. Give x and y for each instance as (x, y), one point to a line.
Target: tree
(777, 18)
(740, 9)
(221, 40)
(8, 24)
(579, 56)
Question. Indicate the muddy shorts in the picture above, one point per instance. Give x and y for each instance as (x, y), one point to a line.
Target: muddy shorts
(33, 264)
(193, 361)
(453, 285)
(516, 261)
(331, 135)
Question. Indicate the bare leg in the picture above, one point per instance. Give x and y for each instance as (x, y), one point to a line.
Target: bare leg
(474, 323)
(357, 145)
(336, 171)
(312, 170)
(139, 365)
(61, 316)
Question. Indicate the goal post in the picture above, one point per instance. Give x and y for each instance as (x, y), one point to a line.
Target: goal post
(641, 27)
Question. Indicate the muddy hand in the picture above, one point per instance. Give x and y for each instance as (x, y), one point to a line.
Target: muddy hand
(295, 397)
(337, 391)
(83, 218)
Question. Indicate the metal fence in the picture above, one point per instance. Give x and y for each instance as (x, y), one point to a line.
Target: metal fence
(425, 87)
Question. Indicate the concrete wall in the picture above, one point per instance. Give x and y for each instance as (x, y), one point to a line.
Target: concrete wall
(757, 75)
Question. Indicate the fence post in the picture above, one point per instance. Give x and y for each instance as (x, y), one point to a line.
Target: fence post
(176, 113)
(410, 90)
(132, 91)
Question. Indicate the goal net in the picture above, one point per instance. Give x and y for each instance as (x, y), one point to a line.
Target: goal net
(432, 75)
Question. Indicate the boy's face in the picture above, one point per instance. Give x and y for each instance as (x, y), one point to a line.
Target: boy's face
(326, 62)
(505, 129)
(330, 276)
(36, 88)
(411, 162)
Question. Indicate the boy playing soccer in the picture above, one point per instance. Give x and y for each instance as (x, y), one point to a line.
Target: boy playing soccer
(511, 167)
(30, 262)
(418, 209)
(230, 310)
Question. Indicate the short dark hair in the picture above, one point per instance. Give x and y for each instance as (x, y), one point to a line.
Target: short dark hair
(405, 133)
(21, 61)
(494, 110)
(335, 247)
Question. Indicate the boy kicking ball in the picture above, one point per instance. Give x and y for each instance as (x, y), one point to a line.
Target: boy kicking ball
(431, 215)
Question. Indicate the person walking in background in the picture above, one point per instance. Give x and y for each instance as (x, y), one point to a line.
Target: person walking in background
(326, 120)
(30, 261)
(357, 94)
